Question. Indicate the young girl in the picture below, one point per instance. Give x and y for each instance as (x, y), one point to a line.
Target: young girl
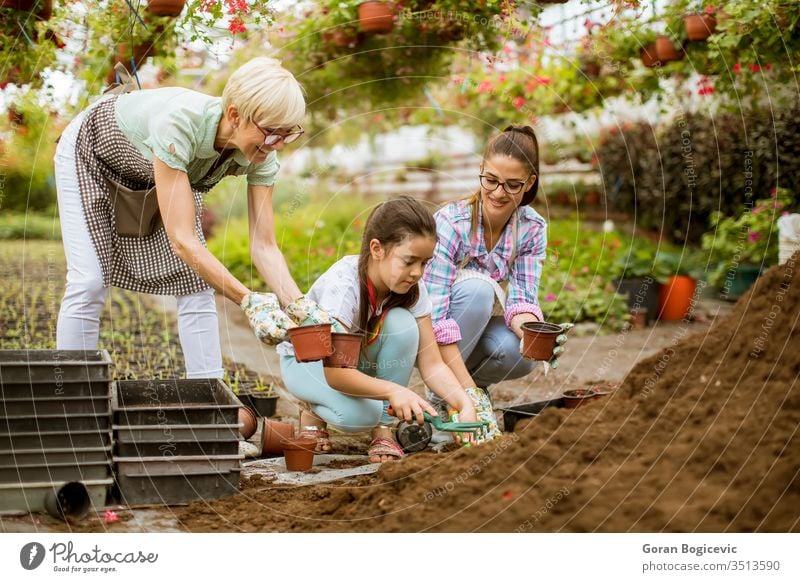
(378, 293)
(484, 277)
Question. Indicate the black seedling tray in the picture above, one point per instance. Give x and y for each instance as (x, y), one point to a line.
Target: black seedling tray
(138, 403)
(58, 405)
(53, 367)
(176, 489)
(158, 466)
(76, 456)
(57, 473)
(27, 390)
(202, 448)
(56, 423)
(54, 440)
(166, 433)
(514, 414)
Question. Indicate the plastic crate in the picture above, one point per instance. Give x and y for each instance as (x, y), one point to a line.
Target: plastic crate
(29, 497)
(27, 390)
(169, 465)
(158, 402)
(177, 448)
(176, 489)
(53, 367)
(55, 472)
(54, 456)
(166, 433)
(55, 423)
(48, 406)
(54, 440)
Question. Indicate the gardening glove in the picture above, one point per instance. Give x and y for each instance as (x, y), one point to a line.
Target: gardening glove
(269, 323)
(485, 413)
(304, 311)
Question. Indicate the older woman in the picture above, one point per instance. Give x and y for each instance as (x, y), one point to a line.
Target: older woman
(130, 173)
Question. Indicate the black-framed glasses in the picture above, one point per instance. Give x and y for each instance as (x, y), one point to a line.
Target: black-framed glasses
(490, 183)
(271, 136)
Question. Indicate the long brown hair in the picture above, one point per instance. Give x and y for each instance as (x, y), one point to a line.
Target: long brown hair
(391, 223)
(518, 142)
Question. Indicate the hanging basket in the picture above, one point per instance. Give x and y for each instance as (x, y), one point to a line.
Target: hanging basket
(165, 7)
(666, 51)
(376, 17)
(648, 56)
(699, 26)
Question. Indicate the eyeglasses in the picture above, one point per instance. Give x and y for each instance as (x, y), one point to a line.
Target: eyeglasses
(271, 136)
(491, 183)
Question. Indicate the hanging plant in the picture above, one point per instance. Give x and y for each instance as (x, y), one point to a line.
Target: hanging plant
(171, 8)
(376, 17)
(699, 26)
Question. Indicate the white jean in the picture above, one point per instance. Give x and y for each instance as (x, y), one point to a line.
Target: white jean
(78, 326)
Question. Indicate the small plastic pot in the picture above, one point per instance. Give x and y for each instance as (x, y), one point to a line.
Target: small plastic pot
(539, 339)
(68, 500)
(248, 423)
(311, 342)
(346, 350)
(576, 398)
(275, 435)
(299, 454)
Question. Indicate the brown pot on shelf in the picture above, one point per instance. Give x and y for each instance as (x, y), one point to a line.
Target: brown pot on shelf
(539, 339)
(376, 17)
(699, 26)
(649, 56)
(576, 398)
(275, 435)
(248, 423)
(299, 454)
(165, 7)
(346, 350)
(666, 51)
(311, 342)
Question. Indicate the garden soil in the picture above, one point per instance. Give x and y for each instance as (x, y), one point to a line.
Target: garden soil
(700, 437)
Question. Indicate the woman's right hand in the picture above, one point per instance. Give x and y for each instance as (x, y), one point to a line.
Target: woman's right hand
(409, 406)
(269, 323)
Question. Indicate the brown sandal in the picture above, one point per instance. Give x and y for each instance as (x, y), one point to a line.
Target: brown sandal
(382, 446)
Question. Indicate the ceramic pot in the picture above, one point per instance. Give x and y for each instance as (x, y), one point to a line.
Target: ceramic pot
(248, 423)
(699, 26)
(165, 7)
(666, 51)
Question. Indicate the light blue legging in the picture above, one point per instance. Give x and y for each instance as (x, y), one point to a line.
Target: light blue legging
(490, 350)
(391, 357)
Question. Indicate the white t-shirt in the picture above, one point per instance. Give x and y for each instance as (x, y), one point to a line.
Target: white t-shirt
(337, 292)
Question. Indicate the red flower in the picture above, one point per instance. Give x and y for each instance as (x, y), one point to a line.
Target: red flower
(737, 68)
(485, 87)
(237, 26)
(753, 236)
(754, 67)
(768, 67)
(518, 102)
(710, 10)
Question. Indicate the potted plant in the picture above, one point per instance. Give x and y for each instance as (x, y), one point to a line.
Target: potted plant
(639, 275)
(376, 17)
(677, 293)
(700, 25)
(741, 246)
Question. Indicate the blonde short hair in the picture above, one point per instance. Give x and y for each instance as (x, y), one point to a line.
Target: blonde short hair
(266, 94)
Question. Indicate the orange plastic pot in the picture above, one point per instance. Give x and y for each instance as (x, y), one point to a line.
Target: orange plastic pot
(376, 17)
(299, 454)
(311, 342)
(675, 297)
(346, 350)
(539, 339)
(165, 7)
(275, 436)
(699, 26)
(666, 51)
(248, 423)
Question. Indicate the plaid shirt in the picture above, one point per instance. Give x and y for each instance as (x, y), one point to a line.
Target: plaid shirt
(453, 225)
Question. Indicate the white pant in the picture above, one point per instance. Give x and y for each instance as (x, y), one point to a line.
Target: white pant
(78, 325)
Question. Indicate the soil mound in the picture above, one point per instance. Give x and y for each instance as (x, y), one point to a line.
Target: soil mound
(701, 437)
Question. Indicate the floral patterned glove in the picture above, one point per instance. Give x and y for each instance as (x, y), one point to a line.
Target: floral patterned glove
(304, 311)
(485, 413)
(269, 323)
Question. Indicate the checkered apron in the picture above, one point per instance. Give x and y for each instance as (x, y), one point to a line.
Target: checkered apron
(146, 264)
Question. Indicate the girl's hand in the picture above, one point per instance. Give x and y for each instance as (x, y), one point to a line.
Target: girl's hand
(407, 405)
(466, 413)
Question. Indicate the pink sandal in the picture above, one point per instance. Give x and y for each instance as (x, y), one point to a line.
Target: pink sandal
(383, 446)
(320, 435)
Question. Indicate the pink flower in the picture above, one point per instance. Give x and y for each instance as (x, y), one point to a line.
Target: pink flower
(550, 297)
(543, 80)
(756, 210)
(710, 10)
(777, 204)
(110, 516)
(773, 192)
(753, 236)
(485, 87)
(518, 102)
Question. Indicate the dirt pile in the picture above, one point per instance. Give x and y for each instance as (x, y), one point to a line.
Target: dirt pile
(701, 437)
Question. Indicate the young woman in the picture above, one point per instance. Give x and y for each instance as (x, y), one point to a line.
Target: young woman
(378, 293)
(483, 279)
(130, 171)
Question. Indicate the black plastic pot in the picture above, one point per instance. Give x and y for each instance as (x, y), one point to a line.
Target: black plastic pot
(513, 414)
(262, 404)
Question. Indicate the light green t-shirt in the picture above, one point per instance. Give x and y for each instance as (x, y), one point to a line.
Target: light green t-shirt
(178, 127)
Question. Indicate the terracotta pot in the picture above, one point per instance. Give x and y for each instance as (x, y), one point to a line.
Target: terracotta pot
(649, 56)
(311, 342)
(299, 454)
(376, 17)
(576, 398)
(275, 435)
(699, 26)
(639, 318)
(346, 350)
(21, 5)
(248, 423)
(675, 297)
(539, 339)
(666, 51)
(165, 7)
